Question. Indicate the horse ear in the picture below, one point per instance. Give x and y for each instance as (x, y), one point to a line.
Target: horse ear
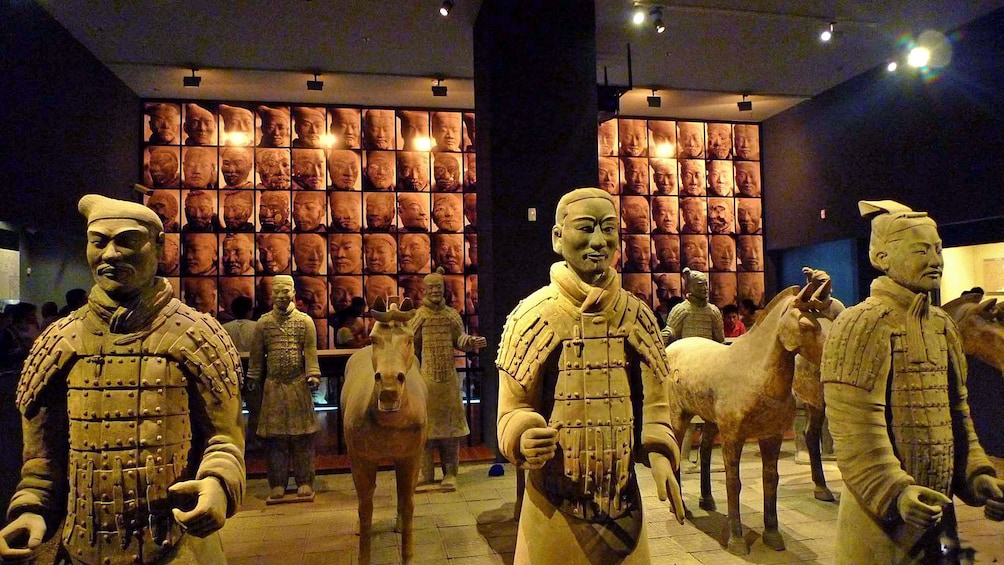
(379, 304)
(803, 296)
(987, 308)
(407, 304)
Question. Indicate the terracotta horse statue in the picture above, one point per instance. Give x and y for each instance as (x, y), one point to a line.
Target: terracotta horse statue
(383, 399)
(981, 324)
(743, 390)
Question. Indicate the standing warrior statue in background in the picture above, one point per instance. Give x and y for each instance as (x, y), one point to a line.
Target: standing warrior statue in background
(894, 376)
(438, 331)
(146, 389)
(694, 317)
(284, 356)
(573, 356)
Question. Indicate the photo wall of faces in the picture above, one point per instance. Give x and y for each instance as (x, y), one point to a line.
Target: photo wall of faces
(689, 195)
(352, 202)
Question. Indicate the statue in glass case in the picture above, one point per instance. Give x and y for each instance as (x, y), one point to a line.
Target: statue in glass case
(438, 331)
(284, 364)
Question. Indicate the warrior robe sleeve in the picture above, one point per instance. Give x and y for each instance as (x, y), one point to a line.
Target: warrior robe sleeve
(855, 371)
(461, 340)
(311, 367)
(657, 434)
(42, 401)
(527, 341)
(216, 407)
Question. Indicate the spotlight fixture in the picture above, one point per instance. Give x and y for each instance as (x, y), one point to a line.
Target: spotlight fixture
(438, 89)
(638, 15)
(444, 10)
(827, 34)
(654, 101)
(315, 84)
(745, 105)
(892, 66)
(919, 57)
(192, 81)
(656, 14)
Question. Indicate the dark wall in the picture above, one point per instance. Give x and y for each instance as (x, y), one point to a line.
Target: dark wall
(935, 144)
(70, 127)
(535, 96)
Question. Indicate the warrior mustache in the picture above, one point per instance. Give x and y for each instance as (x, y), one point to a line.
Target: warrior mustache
(112, 270)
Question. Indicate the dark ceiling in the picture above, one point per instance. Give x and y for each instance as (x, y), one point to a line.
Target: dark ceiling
(388, 52)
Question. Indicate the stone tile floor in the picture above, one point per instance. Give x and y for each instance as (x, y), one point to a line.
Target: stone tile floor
(474, 524)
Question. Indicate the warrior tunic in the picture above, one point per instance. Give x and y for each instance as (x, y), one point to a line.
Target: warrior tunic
(589, 362)
(284, 354)
(894, 376)
(438, 331)
(148, 395)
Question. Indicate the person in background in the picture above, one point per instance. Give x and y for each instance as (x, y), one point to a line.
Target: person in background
(350, 328)
(241, 328)
(734, 327)
(747, 312)
(50, 313)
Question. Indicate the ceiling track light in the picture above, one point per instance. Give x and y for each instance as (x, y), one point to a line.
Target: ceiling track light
(193, 81)
(827, 34)
(438, 89)
(656, 14)
(744, 104)
(654, 101)
(444, 9)
(638, 14)
(315, 84)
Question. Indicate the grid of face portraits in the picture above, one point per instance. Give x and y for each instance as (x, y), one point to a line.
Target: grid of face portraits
(352, 202)
(689, 195)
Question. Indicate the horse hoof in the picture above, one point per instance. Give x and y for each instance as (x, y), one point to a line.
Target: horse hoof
(708, 504)
(824, 494)
(737, 546)
(773, 540)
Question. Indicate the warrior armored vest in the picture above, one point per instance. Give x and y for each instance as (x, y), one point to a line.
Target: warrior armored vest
(437, 347)
(594, 415)
(919, 403)
(130, 436)
(699, 322)
(284, 336)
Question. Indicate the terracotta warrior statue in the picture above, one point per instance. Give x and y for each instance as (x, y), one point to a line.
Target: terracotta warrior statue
(894, 377)
(284, 363)
(131, 403)
(695, 316)
(438, 331)
(570, 355)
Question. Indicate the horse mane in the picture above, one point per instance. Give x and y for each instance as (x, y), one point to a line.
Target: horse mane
(774, 303)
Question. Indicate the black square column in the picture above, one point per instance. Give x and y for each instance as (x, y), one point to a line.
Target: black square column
(536, 105)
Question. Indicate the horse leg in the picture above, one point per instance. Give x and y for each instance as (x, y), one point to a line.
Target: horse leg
(406, 470)
(813, 435)
(732, 450)
(770, 450)
(364, 478)
(710, 432)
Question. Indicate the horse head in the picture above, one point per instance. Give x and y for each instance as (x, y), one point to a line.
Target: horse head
(806, 321)
(981, 325)
(393, 351)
